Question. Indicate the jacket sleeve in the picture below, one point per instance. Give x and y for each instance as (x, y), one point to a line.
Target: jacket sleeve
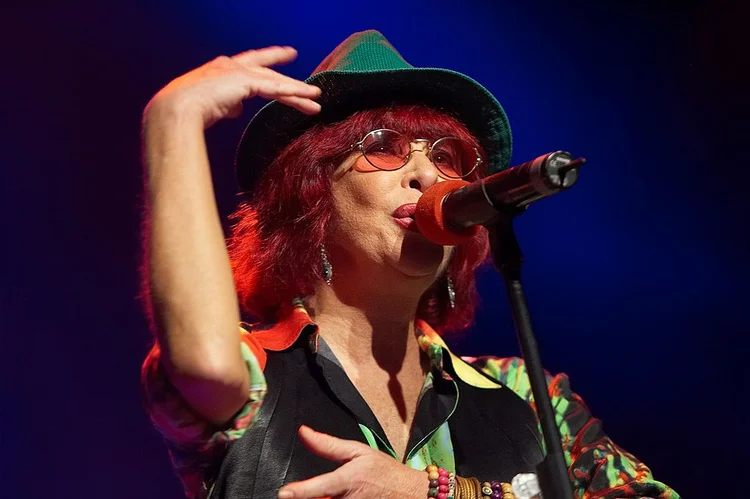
(194, 444)
(598, 468)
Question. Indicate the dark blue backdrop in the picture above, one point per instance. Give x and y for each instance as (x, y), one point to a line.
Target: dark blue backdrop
(636, 278)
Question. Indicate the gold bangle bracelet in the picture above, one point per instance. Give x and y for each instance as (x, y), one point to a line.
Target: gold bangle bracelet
(462, 490)
(465, 489)
(471, 488)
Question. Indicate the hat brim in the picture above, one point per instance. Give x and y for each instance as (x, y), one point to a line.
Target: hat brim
(345, 92)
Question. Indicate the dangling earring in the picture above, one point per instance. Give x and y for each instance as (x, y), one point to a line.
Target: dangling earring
(451, 293)
(327, 268)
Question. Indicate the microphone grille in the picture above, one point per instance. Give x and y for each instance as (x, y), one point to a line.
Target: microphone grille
(429, 215)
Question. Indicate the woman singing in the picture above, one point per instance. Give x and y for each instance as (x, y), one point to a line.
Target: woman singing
(339, 384)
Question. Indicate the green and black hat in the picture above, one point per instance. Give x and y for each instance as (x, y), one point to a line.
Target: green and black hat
(366, 71)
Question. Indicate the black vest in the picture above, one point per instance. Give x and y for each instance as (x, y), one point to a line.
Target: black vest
(494, 432)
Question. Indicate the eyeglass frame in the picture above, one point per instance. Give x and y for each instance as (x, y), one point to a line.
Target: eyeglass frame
(430, 147)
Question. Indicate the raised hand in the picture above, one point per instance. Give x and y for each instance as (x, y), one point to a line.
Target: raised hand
(216, 90)
(365, 472)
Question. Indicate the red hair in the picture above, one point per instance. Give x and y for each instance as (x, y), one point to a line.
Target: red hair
(275, 241)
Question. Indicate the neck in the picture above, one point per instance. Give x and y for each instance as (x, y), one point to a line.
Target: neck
(368, 329)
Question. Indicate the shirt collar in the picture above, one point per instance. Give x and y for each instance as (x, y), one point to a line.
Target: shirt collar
(431, 342)
(284, 333)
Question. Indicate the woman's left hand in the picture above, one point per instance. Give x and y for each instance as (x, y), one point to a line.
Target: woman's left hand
(365, 472)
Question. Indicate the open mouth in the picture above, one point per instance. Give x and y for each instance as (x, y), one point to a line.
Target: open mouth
(403, 216)
(407, 223)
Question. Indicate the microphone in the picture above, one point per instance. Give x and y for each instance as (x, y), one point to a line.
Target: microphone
(450, 212)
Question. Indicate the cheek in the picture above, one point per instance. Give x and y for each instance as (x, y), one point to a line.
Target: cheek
(360, 208)
(358, 196)
(355, 196)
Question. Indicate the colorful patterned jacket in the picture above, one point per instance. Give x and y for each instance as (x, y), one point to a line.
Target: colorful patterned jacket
(475, 417)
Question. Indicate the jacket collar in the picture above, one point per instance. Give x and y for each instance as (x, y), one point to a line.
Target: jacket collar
(284, 333)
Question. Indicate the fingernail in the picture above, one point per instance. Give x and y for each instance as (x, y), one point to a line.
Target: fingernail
(285, 494)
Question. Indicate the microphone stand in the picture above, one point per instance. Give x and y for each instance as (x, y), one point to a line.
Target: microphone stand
(494, 202)
(552, 472)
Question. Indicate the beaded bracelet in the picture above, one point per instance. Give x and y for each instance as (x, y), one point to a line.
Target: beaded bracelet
(445, 485)
(439, 482)
(497, 490)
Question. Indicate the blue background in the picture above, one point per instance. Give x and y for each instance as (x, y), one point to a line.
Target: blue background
(636, 278)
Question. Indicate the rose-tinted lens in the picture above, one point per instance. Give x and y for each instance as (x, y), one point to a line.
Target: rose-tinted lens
(386, 149)
(454, 157)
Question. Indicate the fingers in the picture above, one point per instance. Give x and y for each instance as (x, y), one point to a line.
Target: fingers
(330, 447)
(271, 87)
(269, 84)
(236, 111)
(306, 106)
(302, 89)
(268, 56)
(289, 93)
(327, 485)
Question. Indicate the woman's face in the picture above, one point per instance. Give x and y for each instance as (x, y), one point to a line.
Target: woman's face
(374, 209)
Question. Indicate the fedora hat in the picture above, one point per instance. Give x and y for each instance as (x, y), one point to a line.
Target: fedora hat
(365, 71)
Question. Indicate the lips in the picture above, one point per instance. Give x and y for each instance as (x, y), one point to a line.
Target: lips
(404, 217)
(405, 211)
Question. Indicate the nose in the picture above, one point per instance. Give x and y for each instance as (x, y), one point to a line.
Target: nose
(419, 172)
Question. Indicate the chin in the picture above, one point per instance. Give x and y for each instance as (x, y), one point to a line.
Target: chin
(419, 257)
